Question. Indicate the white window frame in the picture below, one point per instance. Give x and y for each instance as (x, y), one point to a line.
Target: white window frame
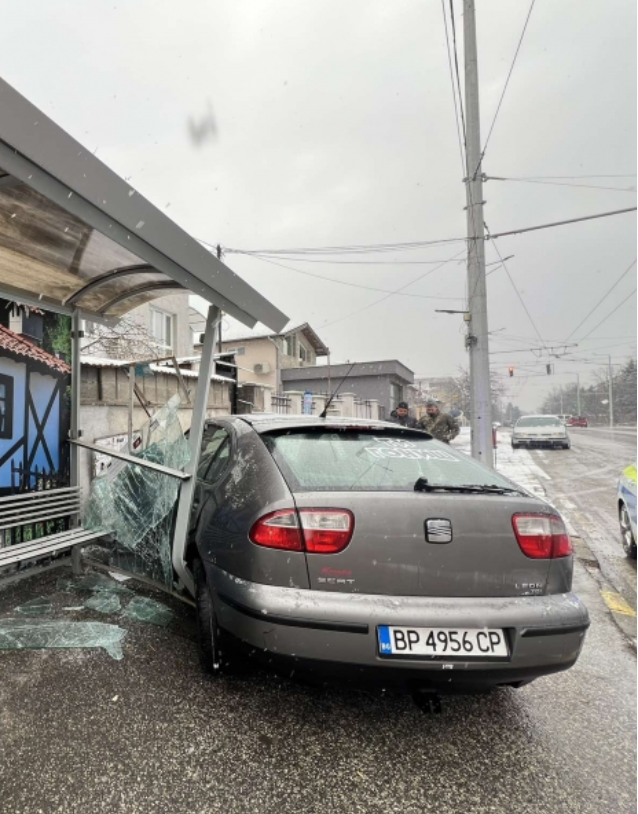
(168, 319)
(303, 353)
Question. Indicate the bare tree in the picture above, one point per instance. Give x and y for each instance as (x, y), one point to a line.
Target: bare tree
(128, 339)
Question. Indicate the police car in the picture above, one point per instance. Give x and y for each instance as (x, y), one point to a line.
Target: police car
(627, 510)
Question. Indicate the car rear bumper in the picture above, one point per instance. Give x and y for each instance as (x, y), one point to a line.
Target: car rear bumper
(338, 631)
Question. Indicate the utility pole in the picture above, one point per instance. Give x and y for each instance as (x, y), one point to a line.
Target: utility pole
(477, 335)
(611, 392)
(219, 327)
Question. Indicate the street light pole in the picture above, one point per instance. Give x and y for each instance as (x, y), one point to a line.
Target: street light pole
(477, 336)
(611, 392)
(578, 394)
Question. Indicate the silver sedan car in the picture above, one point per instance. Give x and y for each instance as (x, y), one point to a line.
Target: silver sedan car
(347, 546)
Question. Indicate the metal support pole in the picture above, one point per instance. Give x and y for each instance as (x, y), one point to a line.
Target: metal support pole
(206, 370)
(477, 337)
(611, 392)
(74, 430)
(578, 394)
(131, 404)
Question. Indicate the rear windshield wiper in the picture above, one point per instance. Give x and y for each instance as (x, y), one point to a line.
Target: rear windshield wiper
(423, 485)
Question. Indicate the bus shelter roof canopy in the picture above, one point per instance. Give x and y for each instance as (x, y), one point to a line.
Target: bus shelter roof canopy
(75, 235)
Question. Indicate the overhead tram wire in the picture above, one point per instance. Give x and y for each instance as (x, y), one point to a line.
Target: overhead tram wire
(387, 297)
(356, 285)
(518, 294)
(507, 81)
(627, 298)
(461, 138)
(558, 183)
(568, 177)
(600, 302)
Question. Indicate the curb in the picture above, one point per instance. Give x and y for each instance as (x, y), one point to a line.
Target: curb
(621, 611)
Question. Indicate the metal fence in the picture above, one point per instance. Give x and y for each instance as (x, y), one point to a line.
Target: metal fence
(280, 404)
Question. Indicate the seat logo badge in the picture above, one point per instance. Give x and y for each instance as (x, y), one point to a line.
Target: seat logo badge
(438, 530)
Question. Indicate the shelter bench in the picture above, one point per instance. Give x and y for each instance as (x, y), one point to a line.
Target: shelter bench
(40, 509)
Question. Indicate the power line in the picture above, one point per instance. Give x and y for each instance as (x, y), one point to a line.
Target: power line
(553, 177)
(387, 297)
(611, 312)
(600, 302)
(350, 249)
(461, 139)
(518, 294)
(558, 183)
(265, 255)
(353, 285)
(509, 76)
(410, 246)
(458, 77)
(561, 223)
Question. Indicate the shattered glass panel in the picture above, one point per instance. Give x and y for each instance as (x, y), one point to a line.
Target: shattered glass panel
(42, 634)
(36, 607)
(92, 582)
(136, 504)
(104, 602)
(143, 609)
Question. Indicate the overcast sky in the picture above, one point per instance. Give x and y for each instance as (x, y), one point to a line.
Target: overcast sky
(335, 126)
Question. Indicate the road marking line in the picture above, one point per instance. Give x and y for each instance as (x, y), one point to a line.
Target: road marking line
(617, 603)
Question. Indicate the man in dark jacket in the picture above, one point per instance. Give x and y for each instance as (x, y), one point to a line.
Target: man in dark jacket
(441, 425)
(402, 416)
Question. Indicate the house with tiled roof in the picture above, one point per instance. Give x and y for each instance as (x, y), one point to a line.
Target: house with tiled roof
(34, 411)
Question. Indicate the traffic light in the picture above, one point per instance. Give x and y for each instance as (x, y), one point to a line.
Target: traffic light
(511, 370)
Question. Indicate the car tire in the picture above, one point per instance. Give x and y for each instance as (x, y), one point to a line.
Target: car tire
(515, 446)
(209, 635)
(567, 446)
(626, 534)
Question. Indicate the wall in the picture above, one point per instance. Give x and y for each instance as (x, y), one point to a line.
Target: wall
(367, 380)
(109, 417)
(42, 387)
(18, 371)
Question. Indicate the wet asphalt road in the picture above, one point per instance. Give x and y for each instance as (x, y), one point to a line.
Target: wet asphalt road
(84, 734)
(583, 486)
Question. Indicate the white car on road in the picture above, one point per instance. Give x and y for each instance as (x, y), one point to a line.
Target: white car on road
(540, 431)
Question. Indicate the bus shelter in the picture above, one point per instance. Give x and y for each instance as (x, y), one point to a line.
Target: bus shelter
(78, 240)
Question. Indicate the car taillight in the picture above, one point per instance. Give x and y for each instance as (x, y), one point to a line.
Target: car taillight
(326, 531)
(323, 531)
(542, 536)
(278, 530)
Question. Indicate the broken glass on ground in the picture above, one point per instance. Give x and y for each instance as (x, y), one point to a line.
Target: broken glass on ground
(35, 607)
(44, 634)
(136, 504)
(98, 583)
(143, 609)
(104, 602)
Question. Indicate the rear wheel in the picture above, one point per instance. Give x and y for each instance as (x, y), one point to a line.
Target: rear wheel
(515, 446)
(627, 535)
(209, 637)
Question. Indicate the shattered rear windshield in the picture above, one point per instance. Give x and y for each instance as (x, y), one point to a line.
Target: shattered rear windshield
(376, 460)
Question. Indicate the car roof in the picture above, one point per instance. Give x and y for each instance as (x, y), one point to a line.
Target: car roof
(266, 422)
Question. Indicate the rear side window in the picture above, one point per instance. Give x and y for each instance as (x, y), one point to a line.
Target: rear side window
(214, 453)
(348, 460)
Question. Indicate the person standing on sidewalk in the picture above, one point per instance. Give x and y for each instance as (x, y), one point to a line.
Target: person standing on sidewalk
(441, 425)
(402, 416)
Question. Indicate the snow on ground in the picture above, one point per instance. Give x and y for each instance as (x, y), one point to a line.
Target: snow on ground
(515, 464)
(519, 466)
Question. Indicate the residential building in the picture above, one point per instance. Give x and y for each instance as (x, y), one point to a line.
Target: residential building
(385, 382)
